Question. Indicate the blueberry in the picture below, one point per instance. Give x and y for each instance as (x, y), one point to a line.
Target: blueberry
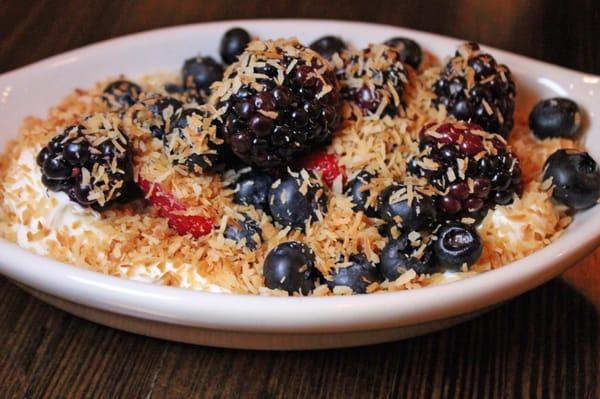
(121, 94)
(295, 199)
(233, 43)
(56, 169)
(398, 256)
(555, 117)
(200, 72)
(576, 178)
(328, 45)
(359, 196)
(245, 229)
(252, 188)
(456, 244)
(410, 51)
(357, 275)
(290, 267)
(182, 120)
(165, 111)
(394, 208)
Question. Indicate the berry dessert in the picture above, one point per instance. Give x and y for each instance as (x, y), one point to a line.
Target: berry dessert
(282, 169)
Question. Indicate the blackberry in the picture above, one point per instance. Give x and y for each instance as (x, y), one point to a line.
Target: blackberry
(91, 162)
(473, 87)
(156, 115)
(278, 100)
(296, 199)
(120, 95)
(373, 79)
(472, 170)
(192, 141)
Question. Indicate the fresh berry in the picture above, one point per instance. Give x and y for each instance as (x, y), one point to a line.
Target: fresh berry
(192, 141)
(359, 195)
(409, 211)
(91, 162)
(473, 170)
(410, 51)
(555, 117)
(374, 79)
(401, 254)
(252, 188)
(180, 218)
(287, 104)
(233, 43)
(473, 87)
(326, 165)
(456, 244)
(157, 115)
(120, 95)
(245, 230)
(575, 177)
(357, 274)
(290, 267)
(296, 198)
(327, 46)
(200, 73)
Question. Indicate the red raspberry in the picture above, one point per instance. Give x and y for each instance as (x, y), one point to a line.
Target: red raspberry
(174, 210)
(326, 164)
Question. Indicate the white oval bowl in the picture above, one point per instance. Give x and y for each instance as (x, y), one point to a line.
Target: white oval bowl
(244, 321)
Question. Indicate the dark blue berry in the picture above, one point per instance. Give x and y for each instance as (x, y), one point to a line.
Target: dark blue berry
(121, 94)
(555, 117)
(410, 51)
(290, 267)
(294, 199)
(399, 256)
(252, 188)
(164, 112)
(576, 178)
(327, 46)
(357, 275)
(355, 190)
(233, 43)
(200, 72)
(393, 207)
(246, 229)
(456, 244)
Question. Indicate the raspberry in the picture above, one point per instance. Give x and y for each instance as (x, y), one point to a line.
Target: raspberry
(472, 170)
(473, 87)
(373, 79)
(91, 162)
(175, 211)
(278, 100)
(326, 164)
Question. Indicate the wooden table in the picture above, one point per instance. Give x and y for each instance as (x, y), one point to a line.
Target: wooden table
(542, 344)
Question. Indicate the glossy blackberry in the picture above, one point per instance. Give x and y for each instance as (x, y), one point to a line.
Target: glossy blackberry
(456, 245)
(199, 73)
(192, 141)
(252, 188)
(245, 230)
(410, 51)
(473, 87)
(156, 116)
(296, 199)
(327, 46)
(403, 253)
(408, 208)
(91, 162)
(357, 273)
(290, 267)
(233, 43)
(358, 192)
(120, 95)
(472, 170)
(278, 100)
(373, 79)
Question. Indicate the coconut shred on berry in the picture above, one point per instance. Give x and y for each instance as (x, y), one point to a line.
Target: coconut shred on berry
(280, 168)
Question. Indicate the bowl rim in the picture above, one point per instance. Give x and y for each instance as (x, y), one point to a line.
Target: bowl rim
(243, 312)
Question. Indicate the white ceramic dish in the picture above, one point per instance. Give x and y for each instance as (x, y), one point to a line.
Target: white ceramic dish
(274, 322)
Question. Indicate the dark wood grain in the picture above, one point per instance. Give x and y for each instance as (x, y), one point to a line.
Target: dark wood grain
(542, 344)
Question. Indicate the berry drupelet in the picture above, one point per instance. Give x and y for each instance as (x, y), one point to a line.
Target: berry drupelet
(357, 274)
(473, 87)
(278, 100)
(290, 266)
(91, 162)
(373, 79)
(473, 170)
(120, 95)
